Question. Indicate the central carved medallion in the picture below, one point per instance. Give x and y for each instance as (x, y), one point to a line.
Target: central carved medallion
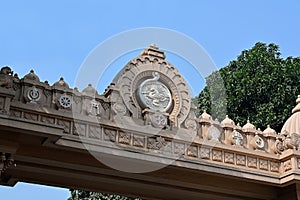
(154, 95)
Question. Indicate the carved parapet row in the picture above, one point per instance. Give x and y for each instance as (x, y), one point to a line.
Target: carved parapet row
(30, 91)
(246, 137)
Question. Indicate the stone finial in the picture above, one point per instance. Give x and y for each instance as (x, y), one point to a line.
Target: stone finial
(154, 51)
(248, 127)
(227, 122)
(61, 84)
(89, 91)
(32, 76)
(269, 132)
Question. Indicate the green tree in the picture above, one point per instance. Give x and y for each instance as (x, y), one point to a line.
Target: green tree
(86, 195)
(259, 84)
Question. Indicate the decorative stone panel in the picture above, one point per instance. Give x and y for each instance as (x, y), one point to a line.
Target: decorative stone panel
(94, 132)
(229, 158)
(217, 155)
(252, 162)
(263, 164)
(205, 153)
(274, 166)
(241, 160)
(124, 138)
(138, 141)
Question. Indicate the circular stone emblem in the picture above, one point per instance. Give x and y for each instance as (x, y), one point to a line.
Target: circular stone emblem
(154, 95)
(65, 101)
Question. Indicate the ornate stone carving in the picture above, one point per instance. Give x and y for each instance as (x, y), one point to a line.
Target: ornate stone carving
(6, 78)
(94, 132)
(292, 141)
(124, 138)
(229, 158)
(217, 155)
(156, 143)
(156, 119)
(110, 135)
(136, 84)
(259, 142)
(237, 138)
(64, 101)
(263, 164)
(278, 146)
(119, 108)
(241, 160)
(287, 165)
(192, 151)
(32, 95)
(274, 166)
(204, 153)
(66, 125)
(179, 148)
(93, 108)
(138, 141)
(154, 95)
(252, 162)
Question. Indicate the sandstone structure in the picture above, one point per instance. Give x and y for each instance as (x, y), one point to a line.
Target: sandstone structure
(141, 137)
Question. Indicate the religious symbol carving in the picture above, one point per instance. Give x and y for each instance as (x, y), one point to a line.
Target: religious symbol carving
(154, 95)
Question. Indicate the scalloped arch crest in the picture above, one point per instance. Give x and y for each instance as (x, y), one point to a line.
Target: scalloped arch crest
(140, 69)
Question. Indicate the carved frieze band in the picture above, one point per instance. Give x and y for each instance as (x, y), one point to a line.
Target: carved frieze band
(155, 143)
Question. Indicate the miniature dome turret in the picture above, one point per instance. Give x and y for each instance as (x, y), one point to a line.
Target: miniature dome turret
(61, 84)
(292, 125)
(228, 123)
(205, 117)
(269, 132)
(31, 76)
(89, 91)
(248, 127)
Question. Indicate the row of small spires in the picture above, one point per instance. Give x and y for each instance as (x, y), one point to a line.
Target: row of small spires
(60, 83)
(229, 123)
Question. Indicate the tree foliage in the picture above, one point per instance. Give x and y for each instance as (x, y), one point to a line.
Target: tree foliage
(86, 195)
(259, 85)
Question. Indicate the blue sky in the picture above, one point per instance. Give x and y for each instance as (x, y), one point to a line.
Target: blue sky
(54, 37)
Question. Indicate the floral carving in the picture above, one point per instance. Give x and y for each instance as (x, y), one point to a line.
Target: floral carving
(156, 143)
(217, 155)
(204, 153)
(124, 138)
(263, 164)
(192, 151)
(274, 166)
(287, 165)
(252, 162)
(229, 157)
(241, 160)
(179, 148)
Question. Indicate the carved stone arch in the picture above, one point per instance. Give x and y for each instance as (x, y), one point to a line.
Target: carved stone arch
(140, 69)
